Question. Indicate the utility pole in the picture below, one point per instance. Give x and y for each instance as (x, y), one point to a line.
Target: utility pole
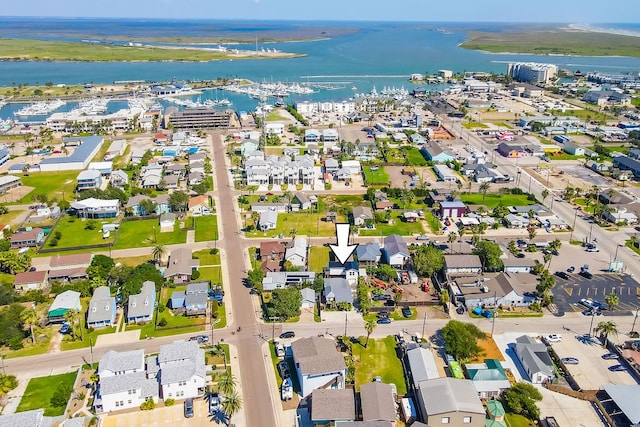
(573, 227)
(493, 318)
(424, 323)
(591, 325)
(90, 351)
(273, 327)
(346, 321)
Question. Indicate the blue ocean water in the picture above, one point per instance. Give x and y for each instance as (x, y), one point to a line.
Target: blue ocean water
(370, 54)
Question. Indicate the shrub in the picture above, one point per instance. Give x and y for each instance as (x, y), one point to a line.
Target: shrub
(195, 275)
(214, 251)
(53, 242)
(57, 235)
(15, 343)
(162, 308)
(169, 402)
(148, 405)
(162, 323)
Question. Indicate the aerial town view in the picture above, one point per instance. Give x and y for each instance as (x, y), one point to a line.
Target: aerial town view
(372, 214)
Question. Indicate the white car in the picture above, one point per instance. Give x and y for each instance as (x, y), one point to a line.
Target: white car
(553, 338)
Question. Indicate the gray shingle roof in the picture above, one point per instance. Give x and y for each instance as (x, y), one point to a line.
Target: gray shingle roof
(444, 395)
(368, 252)
(23, 419)
(339, 289)
(377, 402)
(101, 305)
(132, 381)
(180, 360)
(142, 304)
(534, 355)
(394, 244)
(333, 404)
(118, 361)
(317, 355)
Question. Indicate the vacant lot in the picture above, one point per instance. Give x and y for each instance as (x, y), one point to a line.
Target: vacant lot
(318, 258)
(415, 157)
(54, 184)
(377, 176)
(138, 234)
(491, 200)
(76, 232)
(379, 358)
(40, 390)
(206, 228)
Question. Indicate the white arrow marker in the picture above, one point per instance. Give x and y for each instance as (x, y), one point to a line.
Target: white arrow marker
(343, 249)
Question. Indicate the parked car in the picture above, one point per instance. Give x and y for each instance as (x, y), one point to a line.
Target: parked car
(562, 275)
(553, 338)
(610, 356)
(214, 404)
(586, 274)
(382, 314)
(588, 303)
(384, 321)
(592, 312)
(422, 237)
(283, 369)
(571, 269)
(288, 334)
(65, 328)
(406, 312)
(617, 368)
(593, 249)
(381, 297)
(188, 408)
(570, 360)
(200, 338)
(279, 349)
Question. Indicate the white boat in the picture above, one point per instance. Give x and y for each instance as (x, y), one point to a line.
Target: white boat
(41, 108)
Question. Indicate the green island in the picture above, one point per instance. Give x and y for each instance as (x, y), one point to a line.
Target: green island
(555, 41)
(38, 50)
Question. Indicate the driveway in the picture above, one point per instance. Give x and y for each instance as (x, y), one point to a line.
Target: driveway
(165, 416)
(567, 411)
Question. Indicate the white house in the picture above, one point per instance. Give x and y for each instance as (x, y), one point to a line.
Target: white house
(395, 251)
(462, 264)
(318, 364)
(123, 381)
(182, 371)
(297, 253)
(535, 359)
(274, 128)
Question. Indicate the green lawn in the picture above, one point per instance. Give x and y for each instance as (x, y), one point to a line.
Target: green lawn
(378, 359)
(274, 116)
(40, 390)
(9, 217)
(137, 234)
(433, 222)
(213, 274)
(395, 155)
(517, 420)
(415, 157)
(400, 227)
(310, 224)
(377, 176)
(206, 228)
(74, 233)
(318, 258)
(134, 261)
(54, 184)
(474, 125)
(41, 346)
(493, 199)
(206, 258)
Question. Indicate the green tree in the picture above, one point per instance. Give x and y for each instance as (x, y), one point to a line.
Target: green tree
(444, 297)
(227, 383)
(489, 253)
(254, 278)
(179, 201)
(513, 248)
(285, 303)
(231, 404)
(148, 206)
(612, 300)
(157, 253)
(545, 194)
(428, 260)
(386, 272)
(100, 266)
(450, 239)
(607, 328)
(7, 383)
(521, 399)
(369, 326)
(29, 317)
(461, 340)
(484, 187)
(532, 232)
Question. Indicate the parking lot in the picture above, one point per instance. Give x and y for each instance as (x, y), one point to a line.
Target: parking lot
(568, 293)
(592, 371)
(164, 416)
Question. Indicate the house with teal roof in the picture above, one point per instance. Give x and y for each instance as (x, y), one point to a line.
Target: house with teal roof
(489, 378)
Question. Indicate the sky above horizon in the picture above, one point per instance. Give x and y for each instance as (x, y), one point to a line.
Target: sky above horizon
(568, 11)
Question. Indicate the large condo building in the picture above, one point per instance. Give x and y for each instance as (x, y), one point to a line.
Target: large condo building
(533, 72)
(197, 118)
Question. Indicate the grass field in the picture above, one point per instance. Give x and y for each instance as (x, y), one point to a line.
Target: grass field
(378, 359)
(38, 50)
(553, 41)
(275, 116)
(9, 217)
(517, 420)
(434, 223)
(138, 234)
(74, 233)
(583, 114)
(53, 184)
(40, 390)
(134, 261)
(493, 199)
(415, 157)
(206, 228)
(213, 274)
(318, 258)
(474, 125)
(309, 224)
(376, 177)
(400, 227)
(207, 259)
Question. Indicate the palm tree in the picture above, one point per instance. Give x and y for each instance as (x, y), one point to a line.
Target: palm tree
(158, 252)
(445, 298)
(452, 238)
(544, 194)
(30, 317)
(369, 326)
(607, 328)
(227, 383)
(612, 300)
(484, 187)
(293, 233)
(231, 404)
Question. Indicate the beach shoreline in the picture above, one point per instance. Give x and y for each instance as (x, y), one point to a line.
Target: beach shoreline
(590, 28)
